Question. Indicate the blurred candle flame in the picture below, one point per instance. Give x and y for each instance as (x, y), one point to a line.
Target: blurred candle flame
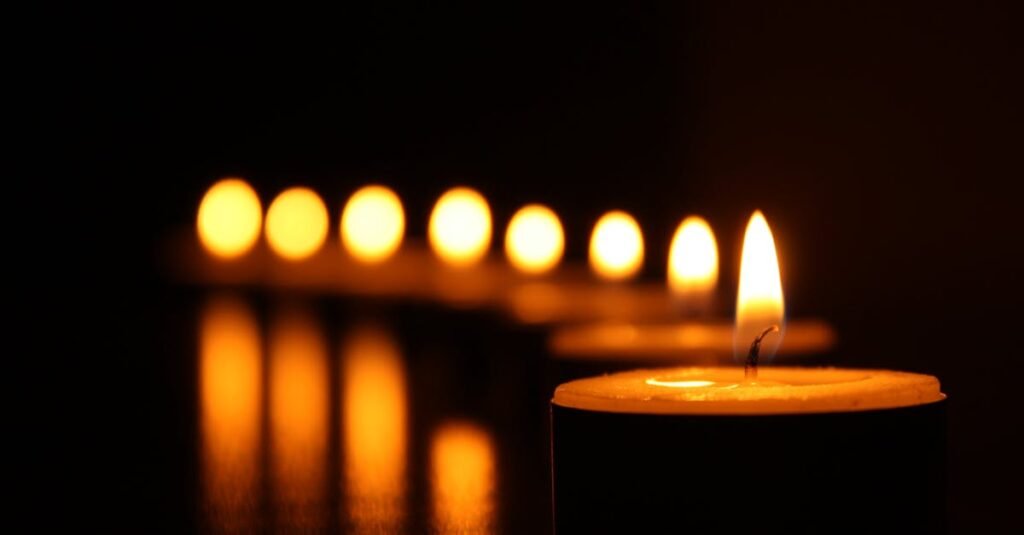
(693, 263)
(230, 377)
(460, 227)
(296, 224)
(462, 479)
(759, 301)
(229, 218)
(534, 241)
(298, 420)
(616, 246)
(372, 224)
(374, 420)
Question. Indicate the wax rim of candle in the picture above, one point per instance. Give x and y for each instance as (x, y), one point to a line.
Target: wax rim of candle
(779, 390)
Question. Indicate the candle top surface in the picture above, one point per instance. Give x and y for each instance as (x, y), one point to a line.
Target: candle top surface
(723, 390)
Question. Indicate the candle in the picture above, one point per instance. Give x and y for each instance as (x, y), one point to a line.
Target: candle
(534, 241)
(750, 448)
(296, 225)
(693, 265)
(229, 218)
(616, 246)
(372, 224)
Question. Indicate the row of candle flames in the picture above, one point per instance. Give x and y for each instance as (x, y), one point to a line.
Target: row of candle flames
(230, 220)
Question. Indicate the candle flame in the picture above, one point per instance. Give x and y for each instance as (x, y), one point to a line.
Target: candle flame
(229, 218)
(534, 241)
(460, 227)
(693, 261)
(372, 224)
(296, 223)
(759, 303)
(616, 246)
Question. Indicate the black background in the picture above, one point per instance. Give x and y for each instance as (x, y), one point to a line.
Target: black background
(883, 143)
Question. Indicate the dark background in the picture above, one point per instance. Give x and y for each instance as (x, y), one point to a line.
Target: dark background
(883, 143)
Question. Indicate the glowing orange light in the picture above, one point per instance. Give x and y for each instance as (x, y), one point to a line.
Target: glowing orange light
(534, 241)
(759, 302)
(374, 420)
(460, 227)
(679, 384)
(230, 400)
(296, 223)
(462, 479)
(693, 261)
(229, 218)
(372, 224)
(298, 420)
(616, 246)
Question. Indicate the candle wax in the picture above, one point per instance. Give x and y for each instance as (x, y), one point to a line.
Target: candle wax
(723, 390)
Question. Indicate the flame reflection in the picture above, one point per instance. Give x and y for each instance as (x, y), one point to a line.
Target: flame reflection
(374, 420)
(230, 396)
(462, 479)
(298, 421)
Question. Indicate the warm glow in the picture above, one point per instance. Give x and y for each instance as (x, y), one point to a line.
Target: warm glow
(299, 416)
(679, 384)
(534, 241)
(693, 262)
(229, 218)
(460, 227)
(462, 479)
(372, 224)
(616, 246)
(759, 302)
(296, 223)
(374, 431)
(230, 373)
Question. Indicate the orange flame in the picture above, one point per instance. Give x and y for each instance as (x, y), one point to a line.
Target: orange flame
(759, 302)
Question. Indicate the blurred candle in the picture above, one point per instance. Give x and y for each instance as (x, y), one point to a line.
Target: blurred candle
(230, 377)
(462, 479)
(372, 224)
(229, 218)
(296, 224)
(375, 431)
(460, 227)
(616, 246)
(693, 264)
(534, 240)
(298, 421)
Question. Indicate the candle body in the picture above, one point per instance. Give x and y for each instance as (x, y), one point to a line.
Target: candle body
(865, 472)
(805, 451)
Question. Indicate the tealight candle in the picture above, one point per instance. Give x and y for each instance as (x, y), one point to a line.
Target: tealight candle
(799, 450)
(785, 449)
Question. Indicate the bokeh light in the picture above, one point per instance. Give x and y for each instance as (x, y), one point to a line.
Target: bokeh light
(460, 227)
(463, 474)
(229, 218)
(616, 246)
(693, 260)
(534, 241)
(372, 224)
(296, 223)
